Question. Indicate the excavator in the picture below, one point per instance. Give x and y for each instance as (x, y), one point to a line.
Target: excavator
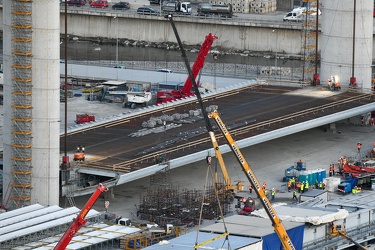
(79, 221)
(339, 230)
(163, 96)
(275, 220)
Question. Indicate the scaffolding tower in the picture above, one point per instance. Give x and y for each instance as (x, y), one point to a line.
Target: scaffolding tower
(21, 89)
(309, 35)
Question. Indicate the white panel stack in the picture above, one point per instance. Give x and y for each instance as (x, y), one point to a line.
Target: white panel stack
(263, 7)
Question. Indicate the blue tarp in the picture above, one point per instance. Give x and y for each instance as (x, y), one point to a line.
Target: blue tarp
(272, 241)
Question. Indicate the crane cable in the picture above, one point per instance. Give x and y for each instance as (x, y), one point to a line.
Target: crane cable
(226, 233)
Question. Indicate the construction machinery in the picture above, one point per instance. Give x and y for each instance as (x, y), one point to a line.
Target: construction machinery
(276, 222)
(163, 96)
(80, 155)
(80, 221)
(83, 118)
(227, 184)
(294, 171)
(134, 99)
(339, 230)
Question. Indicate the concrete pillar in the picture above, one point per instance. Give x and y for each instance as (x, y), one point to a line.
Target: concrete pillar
(337, 42)
(45, 125)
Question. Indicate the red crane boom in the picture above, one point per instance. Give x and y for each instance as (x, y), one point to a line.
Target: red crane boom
(171, 95)
(199, 62)
(80, 221)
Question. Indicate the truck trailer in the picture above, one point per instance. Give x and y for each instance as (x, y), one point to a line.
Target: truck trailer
(215, 9)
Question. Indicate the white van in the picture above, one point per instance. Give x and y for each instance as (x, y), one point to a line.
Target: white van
(294, 15)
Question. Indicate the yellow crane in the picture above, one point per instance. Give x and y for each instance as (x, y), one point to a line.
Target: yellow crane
(339, 230)
(275, 220)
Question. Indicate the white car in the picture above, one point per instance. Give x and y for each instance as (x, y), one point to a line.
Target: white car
(165, 70)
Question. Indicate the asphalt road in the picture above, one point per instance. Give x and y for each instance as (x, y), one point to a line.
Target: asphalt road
(273, 17)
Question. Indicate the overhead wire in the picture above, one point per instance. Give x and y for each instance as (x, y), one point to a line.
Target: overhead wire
(209, 171)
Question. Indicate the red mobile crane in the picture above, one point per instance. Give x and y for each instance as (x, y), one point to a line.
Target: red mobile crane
(275, 220)
(80, 221)
(171, 95)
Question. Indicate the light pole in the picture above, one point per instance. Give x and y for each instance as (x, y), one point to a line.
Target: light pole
(215, 58)
(115, 17)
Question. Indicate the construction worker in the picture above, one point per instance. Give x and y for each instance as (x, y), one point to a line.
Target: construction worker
(329, 84)
(330, 170)
(321, 185)
(293, 183)
(302, 187)
(372, 121)
(289, 186)
(337, 86)
(273, 192)
(294, 194)
(264, 186)
(250, 188)
(299, 187)
(333, 169)
(359, 147)
(307, 186)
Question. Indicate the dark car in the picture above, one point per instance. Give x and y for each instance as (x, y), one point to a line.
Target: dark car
(76, 2)
(121, 6)
(146, 11)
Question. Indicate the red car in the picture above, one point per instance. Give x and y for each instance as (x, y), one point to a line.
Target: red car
(76, 2)
(99, 4)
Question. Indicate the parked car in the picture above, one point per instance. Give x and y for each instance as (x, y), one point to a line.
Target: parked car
(147, 11)
(121, 6)
(119, 67)
(165, 70)
(99, 4)
(76, 2)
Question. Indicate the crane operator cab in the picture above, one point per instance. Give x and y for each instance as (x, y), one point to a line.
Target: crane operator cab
(80, 155)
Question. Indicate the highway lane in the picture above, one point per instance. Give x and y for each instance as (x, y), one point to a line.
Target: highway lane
(272, 17)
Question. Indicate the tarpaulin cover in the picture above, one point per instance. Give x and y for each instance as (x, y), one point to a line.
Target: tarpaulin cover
(320, 216)
(272, 241)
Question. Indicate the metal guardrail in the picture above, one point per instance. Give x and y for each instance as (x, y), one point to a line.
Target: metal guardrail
(360, 233)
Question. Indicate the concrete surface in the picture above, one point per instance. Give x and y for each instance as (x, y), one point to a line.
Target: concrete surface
(316, 147)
